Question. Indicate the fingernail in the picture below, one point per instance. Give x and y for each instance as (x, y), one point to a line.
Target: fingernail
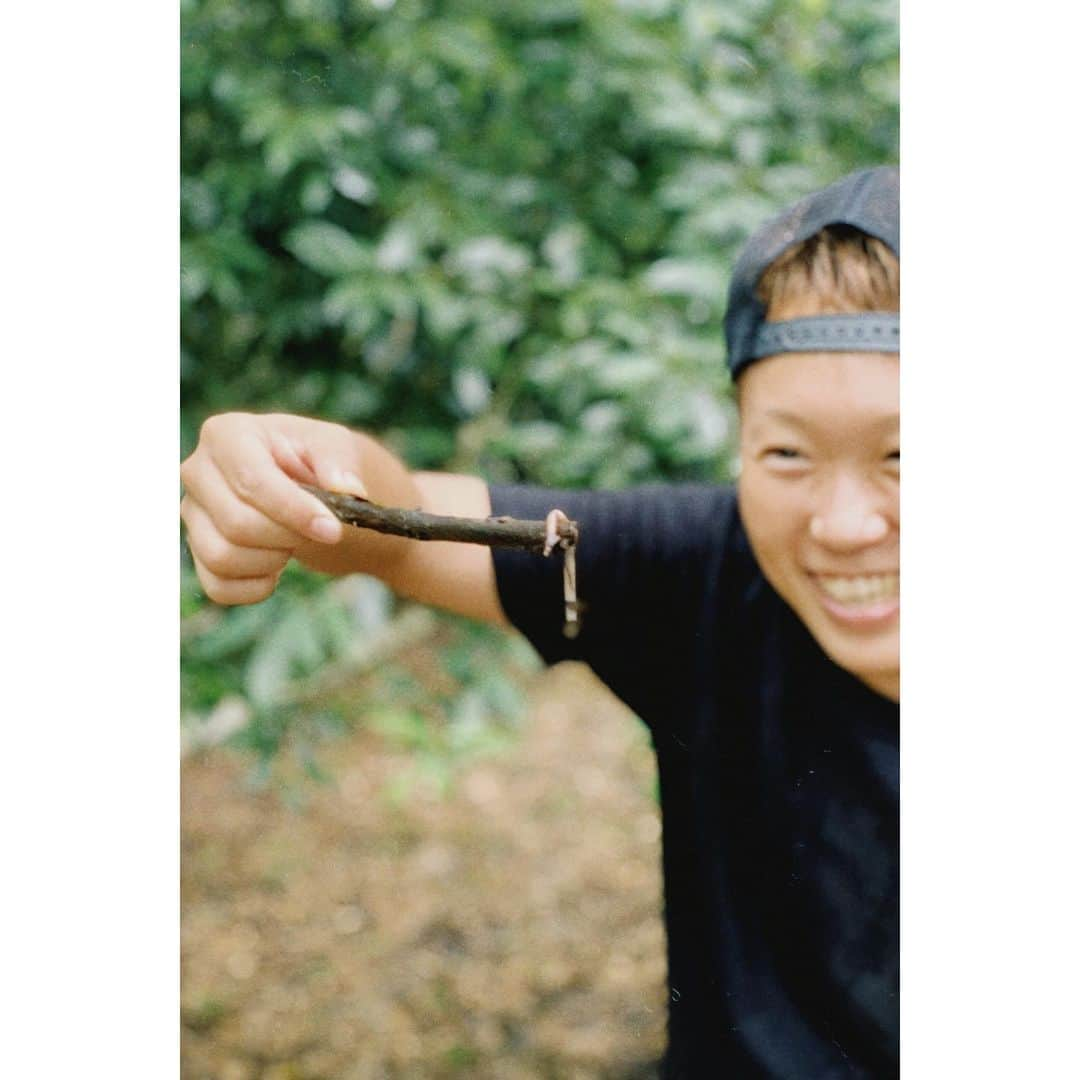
(327, 529)
(349, 483)
(354, 484)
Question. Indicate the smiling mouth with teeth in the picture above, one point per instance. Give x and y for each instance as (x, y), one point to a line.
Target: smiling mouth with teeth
(859, 598)
(858, 591)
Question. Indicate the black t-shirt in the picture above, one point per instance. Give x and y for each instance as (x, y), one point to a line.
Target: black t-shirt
(779, 782)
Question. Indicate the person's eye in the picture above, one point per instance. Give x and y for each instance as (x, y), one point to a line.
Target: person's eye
(893, 458)
(785, 457)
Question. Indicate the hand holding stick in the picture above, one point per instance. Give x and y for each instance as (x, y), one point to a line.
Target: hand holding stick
(541, 537)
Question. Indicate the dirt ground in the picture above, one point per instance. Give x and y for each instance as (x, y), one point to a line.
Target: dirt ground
(509, 930)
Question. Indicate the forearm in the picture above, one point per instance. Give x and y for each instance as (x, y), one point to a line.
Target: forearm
(458, 577)
(248, 509)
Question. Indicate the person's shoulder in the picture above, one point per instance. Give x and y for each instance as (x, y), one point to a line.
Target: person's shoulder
(688, 513)
(652, 515)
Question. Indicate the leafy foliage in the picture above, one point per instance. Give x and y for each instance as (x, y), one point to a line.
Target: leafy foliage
(499, 235)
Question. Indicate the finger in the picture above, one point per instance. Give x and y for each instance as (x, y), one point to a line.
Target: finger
(257, 480)
(237, 521)
(328, 456)
(220, 555)
(236, 590)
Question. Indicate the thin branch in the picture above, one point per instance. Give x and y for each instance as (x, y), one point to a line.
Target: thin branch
(418, 525)
(541, 537)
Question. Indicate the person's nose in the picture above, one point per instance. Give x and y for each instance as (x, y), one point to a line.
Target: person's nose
(849, 515)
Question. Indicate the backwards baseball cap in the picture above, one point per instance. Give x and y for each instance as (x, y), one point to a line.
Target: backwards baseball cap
(868, 200)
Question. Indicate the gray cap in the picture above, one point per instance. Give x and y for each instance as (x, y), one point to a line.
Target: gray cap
(868, 200)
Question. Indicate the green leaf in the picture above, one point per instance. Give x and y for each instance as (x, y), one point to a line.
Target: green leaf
(328, 249)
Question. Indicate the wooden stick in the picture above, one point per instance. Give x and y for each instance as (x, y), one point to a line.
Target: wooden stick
(540, 537)
(418, 525)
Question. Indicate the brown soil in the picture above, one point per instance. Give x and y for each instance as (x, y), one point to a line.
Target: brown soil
(509, 929)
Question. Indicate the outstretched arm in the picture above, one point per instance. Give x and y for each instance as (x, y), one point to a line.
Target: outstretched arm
(247, 515)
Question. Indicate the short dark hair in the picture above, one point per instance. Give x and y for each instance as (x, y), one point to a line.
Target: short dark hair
(839, 270)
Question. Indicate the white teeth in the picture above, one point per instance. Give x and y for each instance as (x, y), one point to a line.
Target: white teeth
(860, 591)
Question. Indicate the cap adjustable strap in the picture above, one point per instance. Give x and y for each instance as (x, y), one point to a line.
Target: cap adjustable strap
(862, 332)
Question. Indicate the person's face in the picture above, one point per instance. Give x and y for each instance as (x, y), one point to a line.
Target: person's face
(819, 494)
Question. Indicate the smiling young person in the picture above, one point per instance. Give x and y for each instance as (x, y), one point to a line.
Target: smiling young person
(755, 632)
(820, 448)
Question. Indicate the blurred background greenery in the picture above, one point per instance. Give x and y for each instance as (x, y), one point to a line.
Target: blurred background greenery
(498, 236)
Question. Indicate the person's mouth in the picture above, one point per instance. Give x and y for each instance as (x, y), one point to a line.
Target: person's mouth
(859, 599)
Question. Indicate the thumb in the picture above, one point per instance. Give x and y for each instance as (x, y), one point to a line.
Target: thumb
(329, 458)
(340, 479)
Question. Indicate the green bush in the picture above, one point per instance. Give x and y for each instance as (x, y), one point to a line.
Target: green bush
(499, 235)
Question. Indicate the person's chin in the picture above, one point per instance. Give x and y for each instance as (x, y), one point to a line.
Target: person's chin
(876, 663)
(865, 643)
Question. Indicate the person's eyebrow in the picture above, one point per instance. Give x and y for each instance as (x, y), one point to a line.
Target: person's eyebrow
(783, 416)
(885, 423)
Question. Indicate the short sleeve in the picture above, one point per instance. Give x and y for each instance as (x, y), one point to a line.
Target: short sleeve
(651, 565)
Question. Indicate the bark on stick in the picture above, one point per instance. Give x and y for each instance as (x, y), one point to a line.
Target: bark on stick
(418, 525)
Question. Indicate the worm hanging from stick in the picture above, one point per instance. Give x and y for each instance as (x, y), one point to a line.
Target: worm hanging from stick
(541, 537)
